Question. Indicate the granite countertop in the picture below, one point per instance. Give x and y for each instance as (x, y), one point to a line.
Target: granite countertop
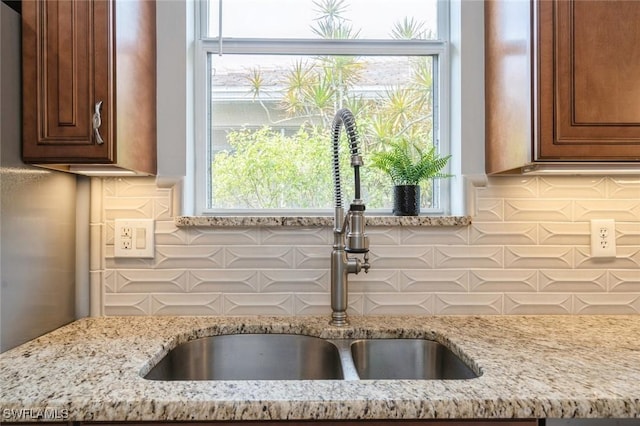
(310, 221)
(532, 367)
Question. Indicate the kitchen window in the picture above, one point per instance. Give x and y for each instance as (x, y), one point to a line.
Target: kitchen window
(270, 76)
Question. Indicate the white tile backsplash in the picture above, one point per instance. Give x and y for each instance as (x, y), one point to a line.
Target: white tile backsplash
(572, 280)
(232, 280)
(527, 252)
(537, 303)
(499, 280)
(194, 303)
(390, 303)
(538, 210)
(517, 257)
(493, 233)
(573, 187)
(460, 304)
(258, 304)
(151, 281)
(607, 304)
(624, 280)
(563, 233)
(427, 281)
(620, 210)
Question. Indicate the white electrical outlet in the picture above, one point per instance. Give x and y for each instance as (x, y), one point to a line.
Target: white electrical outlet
(603, 238)
(134, 238)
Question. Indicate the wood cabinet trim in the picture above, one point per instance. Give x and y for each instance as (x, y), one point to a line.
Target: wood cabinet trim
(562, 136)
(58, 109)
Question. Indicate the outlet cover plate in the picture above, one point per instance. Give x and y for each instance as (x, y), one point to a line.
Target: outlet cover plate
(134, 238)
(603, 238)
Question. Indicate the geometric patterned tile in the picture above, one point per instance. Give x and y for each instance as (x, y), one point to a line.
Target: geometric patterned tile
(163, 208)
(223, 236)
(127, 304)
(294, 280)
(312, 257)
(537, 211)
(628, 233)
(429, 281)
(469, 257)
(258, 257)
(396, 303)
(511, 187)
(187, 257)
(539, 257)
(374, 281)
(607, 303)
(223, 280)
(128, 208)
(489, 210)
(503, 280)
(258, 304)
(623, 187)
(468, 304)
(620, 210)
(510, 233)
(527, 251)
(134, 187)
(567, 233)
(404, 257)
(312, 304)
(624, 280)
(627, 257)
(573, 280)
(186, 304)
(296, 236)
(570, 187)
(537, 303)
(384, 235)
(433, 236)
(166, 233)
(151, 281)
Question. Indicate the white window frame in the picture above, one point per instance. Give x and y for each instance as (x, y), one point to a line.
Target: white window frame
(203, 47)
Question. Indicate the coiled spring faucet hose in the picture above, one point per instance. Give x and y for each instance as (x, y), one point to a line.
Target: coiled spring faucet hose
(345, 118)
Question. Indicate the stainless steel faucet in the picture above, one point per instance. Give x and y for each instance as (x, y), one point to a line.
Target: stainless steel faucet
(349, 235)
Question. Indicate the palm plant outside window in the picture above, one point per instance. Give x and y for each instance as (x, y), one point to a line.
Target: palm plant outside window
(272, 75)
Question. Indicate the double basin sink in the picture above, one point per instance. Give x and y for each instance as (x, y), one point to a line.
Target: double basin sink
(299, 357)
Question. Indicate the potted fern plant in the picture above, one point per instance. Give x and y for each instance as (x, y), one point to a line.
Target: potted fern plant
(408, 165)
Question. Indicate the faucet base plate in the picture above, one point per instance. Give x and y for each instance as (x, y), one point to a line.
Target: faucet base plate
(339, 319)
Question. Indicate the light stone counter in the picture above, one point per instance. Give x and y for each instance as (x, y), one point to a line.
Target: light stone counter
(311, 221)
(532, 367)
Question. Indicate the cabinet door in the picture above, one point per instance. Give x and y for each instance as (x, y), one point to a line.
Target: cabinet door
(66, 71)
(589, 80)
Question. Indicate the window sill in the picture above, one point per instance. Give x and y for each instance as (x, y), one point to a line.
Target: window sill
(305, 221)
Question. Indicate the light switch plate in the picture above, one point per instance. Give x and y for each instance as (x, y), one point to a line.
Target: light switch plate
(134, 238)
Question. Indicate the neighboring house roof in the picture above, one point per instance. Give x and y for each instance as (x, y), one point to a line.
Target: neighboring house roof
(377, 74)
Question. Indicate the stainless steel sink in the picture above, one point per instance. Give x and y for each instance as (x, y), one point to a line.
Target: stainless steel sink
(407, 359)
(251, 357)
(299, 357)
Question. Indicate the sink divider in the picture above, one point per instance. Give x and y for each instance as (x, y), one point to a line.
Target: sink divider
(349, 371)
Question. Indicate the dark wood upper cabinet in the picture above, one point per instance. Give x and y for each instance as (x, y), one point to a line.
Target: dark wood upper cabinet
(89, 84)
(569, 68)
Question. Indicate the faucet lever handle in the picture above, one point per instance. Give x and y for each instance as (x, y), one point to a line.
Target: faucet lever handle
(365, 264)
